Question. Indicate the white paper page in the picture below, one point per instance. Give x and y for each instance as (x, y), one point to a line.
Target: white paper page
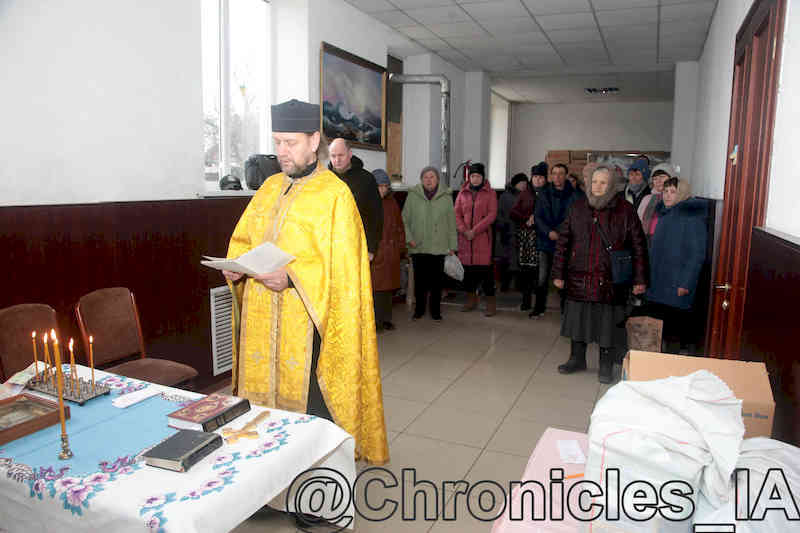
(262, 259)
(570, 452)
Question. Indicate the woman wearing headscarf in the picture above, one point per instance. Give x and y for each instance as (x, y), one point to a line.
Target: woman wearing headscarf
(506, 243)
(523, 215)
(647, 208)
(476, 211)
(677, 254)
(430, 225)
(638, 177)
(385, 265)
(595, 308)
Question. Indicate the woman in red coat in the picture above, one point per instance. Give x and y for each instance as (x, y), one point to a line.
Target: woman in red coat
(476, 210)
(386, 263)
(595, 306)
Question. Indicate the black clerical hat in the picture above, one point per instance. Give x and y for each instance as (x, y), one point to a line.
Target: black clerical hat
(295, 116)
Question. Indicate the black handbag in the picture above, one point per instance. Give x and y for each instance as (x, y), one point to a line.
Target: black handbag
(526, 247)
(621, 260)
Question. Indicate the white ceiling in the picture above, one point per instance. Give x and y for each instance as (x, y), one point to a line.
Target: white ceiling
(550, 50)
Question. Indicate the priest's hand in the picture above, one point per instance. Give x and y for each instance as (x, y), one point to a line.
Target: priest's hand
(232, 276)
(559, 283)
(371, 256)
(276, 281)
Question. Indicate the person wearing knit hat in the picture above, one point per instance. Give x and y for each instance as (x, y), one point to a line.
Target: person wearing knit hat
(677, 254)
(476, 211)
(385, 266)
(638, 178)
(505, 245)
(539, 173)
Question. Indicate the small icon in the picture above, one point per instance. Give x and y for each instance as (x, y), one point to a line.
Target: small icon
(715, 528)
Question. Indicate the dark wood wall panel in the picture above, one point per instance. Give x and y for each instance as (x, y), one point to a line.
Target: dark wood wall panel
(55, 254)
(770, 323)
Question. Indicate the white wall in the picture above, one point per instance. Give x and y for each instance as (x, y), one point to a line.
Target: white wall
(714, 100)
(100, 101)
(687, 80)
(290, 40)
(784, 185)
(499, 130)
(537, 128)
(477, 111)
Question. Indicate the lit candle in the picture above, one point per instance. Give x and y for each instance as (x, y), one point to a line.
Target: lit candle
(91, 358)
(59, 384)
(47, 359)
(35, 357)
(56, 348)
(73, 375)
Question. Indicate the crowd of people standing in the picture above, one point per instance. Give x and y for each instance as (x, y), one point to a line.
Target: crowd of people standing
(546, 229)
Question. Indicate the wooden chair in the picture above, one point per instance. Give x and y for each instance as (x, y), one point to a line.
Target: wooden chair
(16, 324)
(111, 317)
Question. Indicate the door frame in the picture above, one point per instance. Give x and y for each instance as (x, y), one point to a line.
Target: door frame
(723, 328)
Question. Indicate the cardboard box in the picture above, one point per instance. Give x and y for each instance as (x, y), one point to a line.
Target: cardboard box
(560, 155)
(579, 156)
(748, 381)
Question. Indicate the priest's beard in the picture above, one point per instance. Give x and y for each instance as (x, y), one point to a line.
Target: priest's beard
(296, 167)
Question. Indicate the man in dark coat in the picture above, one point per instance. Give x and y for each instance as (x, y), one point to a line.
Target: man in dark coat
(551, 210)
(350, 170)
(505, 244)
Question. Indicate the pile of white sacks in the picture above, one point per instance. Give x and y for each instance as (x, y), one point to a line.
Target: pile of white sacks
(664, 454)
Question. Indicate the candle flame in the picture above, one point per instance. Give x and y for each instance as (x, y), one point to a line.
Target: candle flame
(91, 339)
(45, 336)
(33, 334)
(70, 344)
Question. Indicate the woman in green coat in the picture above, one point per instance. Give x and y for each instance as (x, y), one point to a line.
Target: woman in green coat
(430, 223)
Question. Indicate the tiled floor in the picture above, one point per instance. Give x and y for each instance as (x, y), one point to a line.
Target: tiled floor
(468, 398)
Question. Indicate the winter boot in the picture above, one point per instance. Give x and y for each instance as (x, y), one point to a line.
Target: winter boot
(471, 304)
(605, 374)
(491, 306)
(577, 359)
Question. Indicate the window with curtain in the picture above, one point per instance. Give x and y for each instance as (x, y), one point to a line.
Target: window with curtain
(235, 55)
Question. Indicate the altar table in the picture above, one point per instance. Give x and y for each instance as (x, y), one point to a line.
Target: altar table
(107, 487)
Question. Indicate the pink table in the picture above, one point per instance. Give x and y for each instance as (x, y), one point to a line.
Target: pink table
(545, 456)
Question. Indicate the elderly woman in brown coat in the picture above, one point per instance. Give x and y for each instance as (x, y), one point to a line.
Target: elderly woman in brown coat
(595, 306)
(386, 263)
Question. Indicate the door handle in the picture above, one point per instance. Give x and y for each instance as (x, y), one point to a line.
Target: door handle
(726, 287)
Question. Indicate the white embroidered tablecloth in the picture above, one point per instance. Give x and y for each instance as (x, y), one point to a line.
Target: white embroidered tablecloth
(107, 487)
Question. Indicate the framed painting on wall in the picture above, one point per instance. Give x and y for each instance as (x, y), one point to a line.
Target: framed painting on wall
(353, 98)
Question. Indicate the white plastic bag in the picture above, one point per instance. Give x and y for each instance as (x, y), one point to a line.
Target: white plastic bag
(453, 267)
(679, 429)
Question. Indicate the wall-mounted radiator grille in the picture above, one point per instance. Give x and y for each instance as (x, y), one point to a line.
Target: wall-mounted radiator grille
(221, 329)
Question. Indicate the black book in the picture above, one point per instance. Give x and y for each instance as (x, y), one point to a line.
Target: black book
(182, 450)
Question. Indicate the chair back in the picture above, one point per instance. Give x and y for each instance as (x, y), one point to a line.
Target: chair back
(111, 317)
(16, 324)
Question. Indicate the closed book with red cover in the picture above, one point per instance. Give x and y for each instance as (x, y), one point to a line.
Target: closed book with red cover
(209, 413)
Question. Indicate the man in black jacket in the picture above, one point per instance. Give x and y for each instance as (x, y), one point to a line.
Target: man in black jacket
(350, 170)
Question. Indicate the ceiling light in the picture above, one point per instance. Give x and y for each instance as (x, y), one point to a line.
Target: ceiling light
(601, 90)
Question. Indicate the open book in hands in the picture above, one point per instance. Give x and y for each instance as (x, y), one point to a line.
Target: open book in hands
(262, 259)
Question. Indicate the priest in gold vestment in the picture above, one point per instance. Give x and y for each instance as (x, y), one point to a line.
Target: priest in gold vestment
(304, 335)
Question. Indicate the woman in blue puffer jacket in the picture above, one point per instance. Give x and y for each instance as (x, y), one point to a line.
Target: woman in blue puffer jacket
(677, 254)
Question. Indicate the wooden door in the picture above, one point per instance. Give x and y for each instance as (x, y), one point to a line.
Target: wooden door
(755, 81)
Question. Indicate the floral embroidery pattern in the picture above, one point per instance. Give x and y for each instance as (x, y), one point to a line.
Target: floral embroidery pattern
(155, 522)
(75, 492)
(226, 460)
(278, 425)
(305, 419)
(274, 443)
(122, 385)
(212, 485)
